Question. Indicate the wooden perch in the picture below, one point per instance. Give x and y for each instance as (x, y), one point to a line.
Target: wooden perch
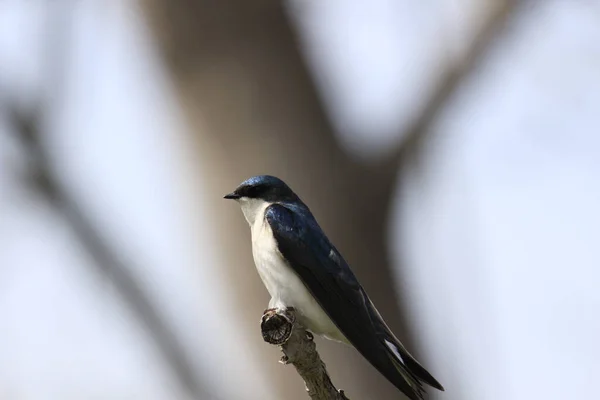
(280, 327)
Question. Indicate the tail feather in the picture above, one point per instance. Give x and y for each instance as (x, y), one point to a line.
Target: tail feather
(408, 367)
(409, 363)
(417, 390)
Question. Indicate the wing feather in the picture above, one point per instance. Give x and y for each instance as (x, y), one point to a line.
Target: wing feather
(329, 279)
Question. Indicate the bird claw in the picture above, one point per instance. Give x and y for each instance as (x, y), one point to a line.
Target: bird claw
(284, 360)
(268, 313)
(271, 311)
(309, 336)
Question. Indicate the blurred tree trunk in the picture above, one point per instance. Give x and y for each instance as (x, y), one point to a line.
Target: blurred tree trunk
(252, 105)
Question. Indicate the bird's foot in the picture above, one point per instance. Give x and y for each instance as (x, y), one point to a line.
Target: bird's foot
(268, 313)
(276, 310)
(287, 312)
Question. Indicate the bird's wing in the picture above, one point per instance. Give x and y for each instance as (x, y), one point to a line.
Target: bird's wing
(329, 279)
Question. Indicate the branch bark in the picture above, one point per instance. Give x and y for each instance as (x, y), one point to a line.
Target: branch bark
(280, 327)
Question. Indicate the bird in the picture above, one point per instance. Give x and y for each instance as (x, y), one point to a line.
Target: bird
(303, 270)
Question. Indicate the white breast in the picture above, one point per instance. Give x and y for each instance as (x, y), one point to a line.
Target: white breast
(284, 286)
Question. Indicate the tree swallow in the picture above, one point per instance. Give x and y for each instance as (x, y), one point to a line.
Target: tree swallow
(302, 269)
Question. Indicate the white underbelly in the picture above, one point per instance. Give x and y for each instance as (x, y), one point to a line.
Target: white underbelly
(285, 287)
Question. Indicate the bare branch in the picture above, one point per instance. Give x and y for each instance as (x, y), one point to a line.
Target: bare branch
(280, 327)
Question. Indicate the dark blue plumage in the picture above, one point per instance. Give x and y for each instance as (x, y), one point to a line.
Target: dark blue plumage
(329, 279)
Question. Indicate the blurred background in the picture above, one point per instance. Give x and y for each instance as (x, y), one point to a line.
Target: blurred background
(450, 149)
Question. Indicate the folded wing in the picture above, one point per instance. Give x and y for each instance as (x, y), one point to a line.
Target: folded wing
(329, 279)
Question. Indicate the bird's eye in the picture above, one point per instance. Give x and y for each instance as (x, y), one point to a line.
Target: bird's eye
(247, 191)
(255, 191)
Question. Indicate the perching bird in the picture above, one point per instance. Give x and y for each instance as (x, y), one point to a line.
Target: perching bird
(302, 269)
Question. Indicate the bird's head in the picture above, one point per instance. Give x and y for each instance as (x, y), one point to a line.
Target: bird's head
(255, 193)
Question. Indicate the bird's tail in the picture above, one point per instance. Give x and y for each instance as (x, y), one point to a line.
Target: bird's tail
(410, 369)
(407, 366)
(416, 387)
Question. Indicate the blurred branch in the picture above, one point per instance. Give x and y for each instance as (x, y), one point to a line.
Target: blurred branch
(454, 76)
(27, 125)
(104, 260)
(280, 327)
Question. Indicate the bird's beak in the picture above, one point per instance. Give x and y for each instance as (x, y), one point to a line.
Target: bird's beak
(232, 196)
